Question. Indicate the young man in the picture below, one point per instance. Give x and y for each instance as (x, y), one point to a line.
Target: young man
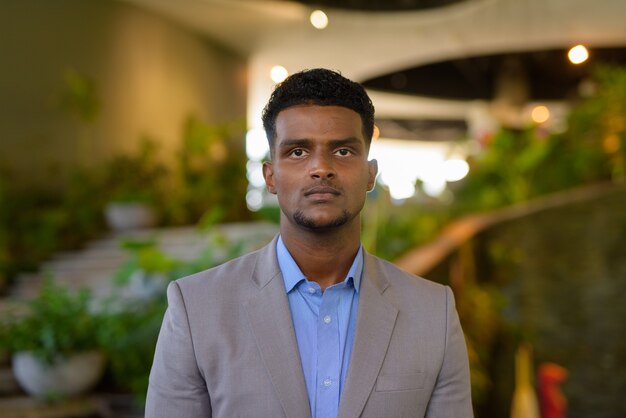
(311, 325)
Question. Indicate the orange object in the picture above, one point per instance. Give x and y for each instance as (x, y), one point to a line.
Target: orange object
(553, 402)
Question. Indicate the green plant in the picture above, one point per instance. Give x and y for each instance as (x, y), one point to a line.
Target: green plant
(59, 321)
(390, 230)
(517, 165)
(133, 337)
(210, 173)
(135, 177)
(135, 331)
(37, 221)
(146, 258)
(598, 123)
(80, 97)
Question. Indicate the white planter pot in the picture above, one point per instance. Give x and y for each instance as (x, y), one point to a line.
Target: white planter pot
(67, 376)
(125, 216)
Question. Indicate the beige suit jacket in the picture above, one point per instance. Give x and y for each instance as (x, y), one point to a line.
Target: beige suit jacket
(227, 347)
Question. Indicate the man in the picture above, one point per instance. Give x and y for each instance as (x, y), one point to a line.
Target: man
(311, 325)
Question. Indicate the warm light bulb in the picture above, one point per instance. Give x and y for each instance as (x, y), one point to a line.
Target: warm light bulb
(540, 114)
(278, 73)
(319, 20)
(578, 54)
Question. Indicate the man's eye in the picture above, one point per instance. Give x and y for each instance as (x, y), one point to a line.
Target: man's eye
(344, 152)
(298, 152)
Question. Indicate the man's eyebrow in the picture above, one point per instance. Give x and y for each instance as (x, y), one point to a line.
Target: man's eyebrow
(346, 141)
(305, 141)
(294, 142)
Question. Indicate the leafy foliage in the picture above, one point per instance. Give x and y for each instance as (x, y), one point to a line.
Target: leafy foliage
(520, 164)
(135, 334)
(80, 96)
(37, 221)
(135, 177)
(210, 173)
(390, 229)
(599, 122)
(132, 337)
(58, 321)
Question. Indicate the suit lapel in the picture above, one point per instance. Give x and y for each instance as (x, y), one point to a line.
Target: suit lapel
(270, 318)
(375, 322)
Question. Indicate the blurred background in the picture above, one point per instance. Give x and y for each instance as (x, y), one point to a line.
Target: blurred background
(131, 148)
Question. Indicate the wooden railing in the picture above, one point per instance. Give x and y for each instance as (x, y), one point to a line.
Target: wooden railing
(424, 258)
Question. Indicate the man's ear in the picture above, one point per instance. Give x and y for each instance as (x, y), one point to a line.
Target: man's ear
(268, 175)
(372, 166)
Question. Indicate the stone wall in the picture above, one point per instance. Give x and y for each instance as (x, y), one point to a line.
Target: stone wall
(566, 292)
(556, 279)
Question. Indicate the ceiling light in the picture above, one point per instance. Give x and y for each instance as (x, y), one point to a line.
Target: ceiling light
(254, 199)
(455, 169)
(255, 174)
(578, 54)
(434, 187)
(540, 114)
(318, 19)
(257, 146)
(278, 73)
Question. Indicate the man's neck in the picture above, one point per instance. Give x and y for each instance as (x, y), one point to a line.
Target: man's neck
(323, 257)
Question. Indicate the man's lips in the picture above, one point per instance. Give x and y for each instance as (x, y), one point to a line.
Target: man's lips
(321, 190)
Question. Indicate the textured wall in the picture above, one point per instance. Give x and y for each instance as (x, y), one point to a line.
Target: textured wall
(149, 74)
(563, 272)
(557, 279)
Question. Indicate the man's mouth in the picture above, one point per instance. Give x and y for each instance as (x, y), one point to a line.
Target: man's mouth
(322, 191)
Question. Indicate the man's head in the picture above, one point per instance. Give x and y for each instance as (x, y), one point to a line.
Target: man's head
(320, 87)
(320, 127)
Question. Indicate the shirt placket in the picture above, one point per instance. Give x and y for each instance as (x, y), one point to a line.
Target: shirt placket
(328, 356)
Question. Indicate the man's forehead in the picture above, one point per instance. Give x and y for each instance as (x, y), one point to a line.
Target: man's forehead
(298, 114)
(312, 121)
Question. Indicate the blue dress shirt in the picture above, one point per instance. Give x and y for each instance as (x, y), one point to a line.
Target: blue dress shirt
(324, 324)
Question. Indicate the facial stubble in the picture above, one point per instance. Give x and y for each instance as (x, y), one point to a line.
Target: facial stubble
(301, 219)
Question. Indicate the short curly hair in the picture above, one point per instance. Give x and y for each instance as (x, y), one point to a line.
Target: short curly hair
(320, 87)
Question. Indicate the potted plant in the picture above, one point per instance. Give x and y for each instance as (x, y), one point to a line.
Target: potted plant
(140, 291)
(57, 342)
(147, 271)
(132, 185)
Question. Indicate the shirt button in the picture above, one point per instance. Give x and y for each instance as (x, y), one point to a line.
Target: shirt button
(327, 319)
(311, 290)
(327, 382)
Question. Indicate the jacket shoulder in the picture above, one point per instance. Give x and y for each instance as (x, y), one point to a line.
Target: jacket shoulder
(224, 274)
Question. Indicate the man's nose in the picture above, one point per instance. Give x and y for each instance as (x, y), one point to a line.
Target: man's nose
(322, 167)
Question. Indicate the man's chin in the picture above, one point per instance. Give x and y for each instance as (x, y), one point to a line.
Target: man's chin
(321, 224)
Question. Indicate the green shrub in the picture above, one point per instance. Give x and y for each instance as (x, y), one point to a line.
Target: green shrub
(57, 322)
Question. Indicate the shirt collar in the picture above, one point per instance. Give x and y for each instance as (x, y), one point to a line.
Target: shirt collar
(292, 275)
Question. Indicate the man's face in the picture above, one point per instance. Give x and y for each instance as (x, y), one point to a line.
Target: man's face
(320, 170)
